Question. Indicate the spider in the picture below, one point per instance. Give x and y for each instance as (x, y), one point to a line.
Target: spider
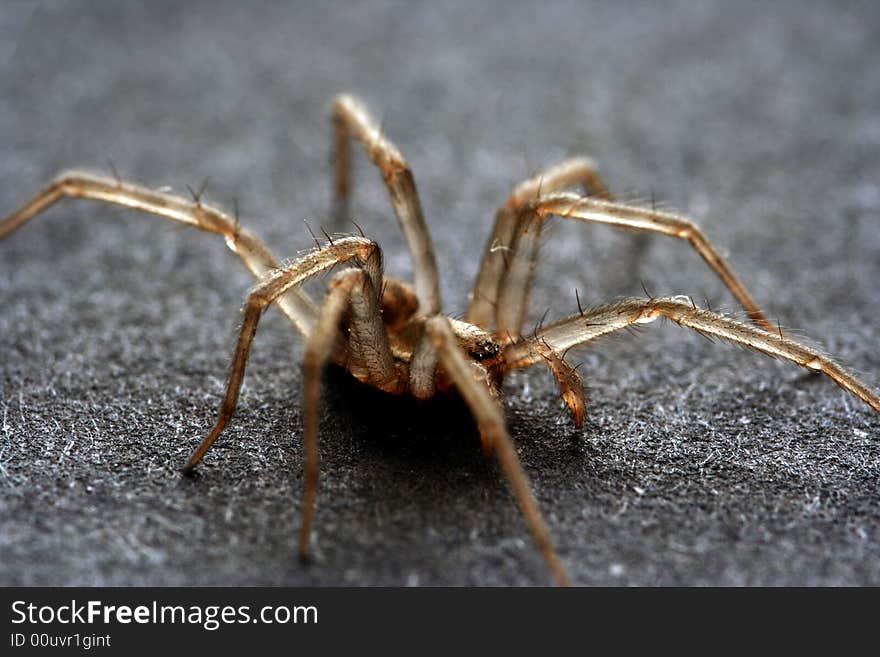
(393, 336)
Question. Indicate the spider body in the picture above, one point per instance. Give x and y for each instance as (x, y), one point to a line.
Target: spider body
(393, 336)
(405, 328)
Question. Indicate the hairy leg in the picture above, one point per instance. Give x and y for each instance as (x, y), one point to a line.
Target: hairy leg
(496, 256)
(369, 357)
(423, 368)
(254, 253)
(471, 381)
(517, 280)
(272, 286)
(351, 119)
(571, 388)
(586, 327)
(319, 349)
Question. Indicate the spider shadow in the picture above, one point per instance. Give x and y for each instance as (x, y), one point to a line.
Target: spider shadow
(436, 432)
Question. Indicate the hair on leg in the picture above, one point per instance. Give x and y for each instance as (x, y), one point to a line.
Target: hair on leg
(579, 171)
(584, 328)
(254, 253)
(517, 280)
(272, 286)
(351, 119)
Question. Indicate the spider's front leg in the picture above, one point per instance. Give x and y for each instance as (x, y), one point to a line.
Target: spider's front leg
(586, 327)
(271, 288)
(368, 357)
(365, 349)
(471, 380)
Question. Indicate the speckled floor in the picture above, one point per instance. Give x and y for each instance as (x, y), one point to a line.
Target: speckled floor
(699, 463)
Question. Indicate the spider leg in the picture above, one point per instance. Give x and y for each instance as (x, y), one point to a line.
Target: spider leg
(370, 358)
(371, 362)
(271, 287)
(256, 256)
(422, 369)
(517, 280)
(470, 379)
(583, 328)
(571, 387)
(319, 348)
(569, 173)
(351, 119)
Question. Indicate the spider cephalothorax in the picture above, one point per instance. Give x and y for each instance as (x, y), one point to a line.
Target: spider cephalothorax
(393, 336)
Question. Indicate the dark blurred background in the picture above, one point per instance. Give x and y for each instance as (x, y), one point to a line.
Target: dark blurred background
(699, 464)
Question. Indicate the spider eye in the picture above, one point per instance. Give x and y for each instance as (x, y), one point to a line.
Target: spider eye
(484, 349)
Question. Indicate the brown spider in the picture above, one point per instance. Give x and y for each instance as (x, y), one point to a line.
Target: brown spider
(394, 337)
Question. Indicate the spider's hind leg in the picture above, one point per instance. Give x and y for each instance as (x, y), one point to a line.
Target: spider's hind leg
(254, 253)
(351, 119)
(517, 279)
(577, 171)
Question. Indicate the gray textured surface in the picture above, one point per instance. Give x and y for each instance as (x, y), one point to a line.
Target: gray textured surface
(698, 464)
